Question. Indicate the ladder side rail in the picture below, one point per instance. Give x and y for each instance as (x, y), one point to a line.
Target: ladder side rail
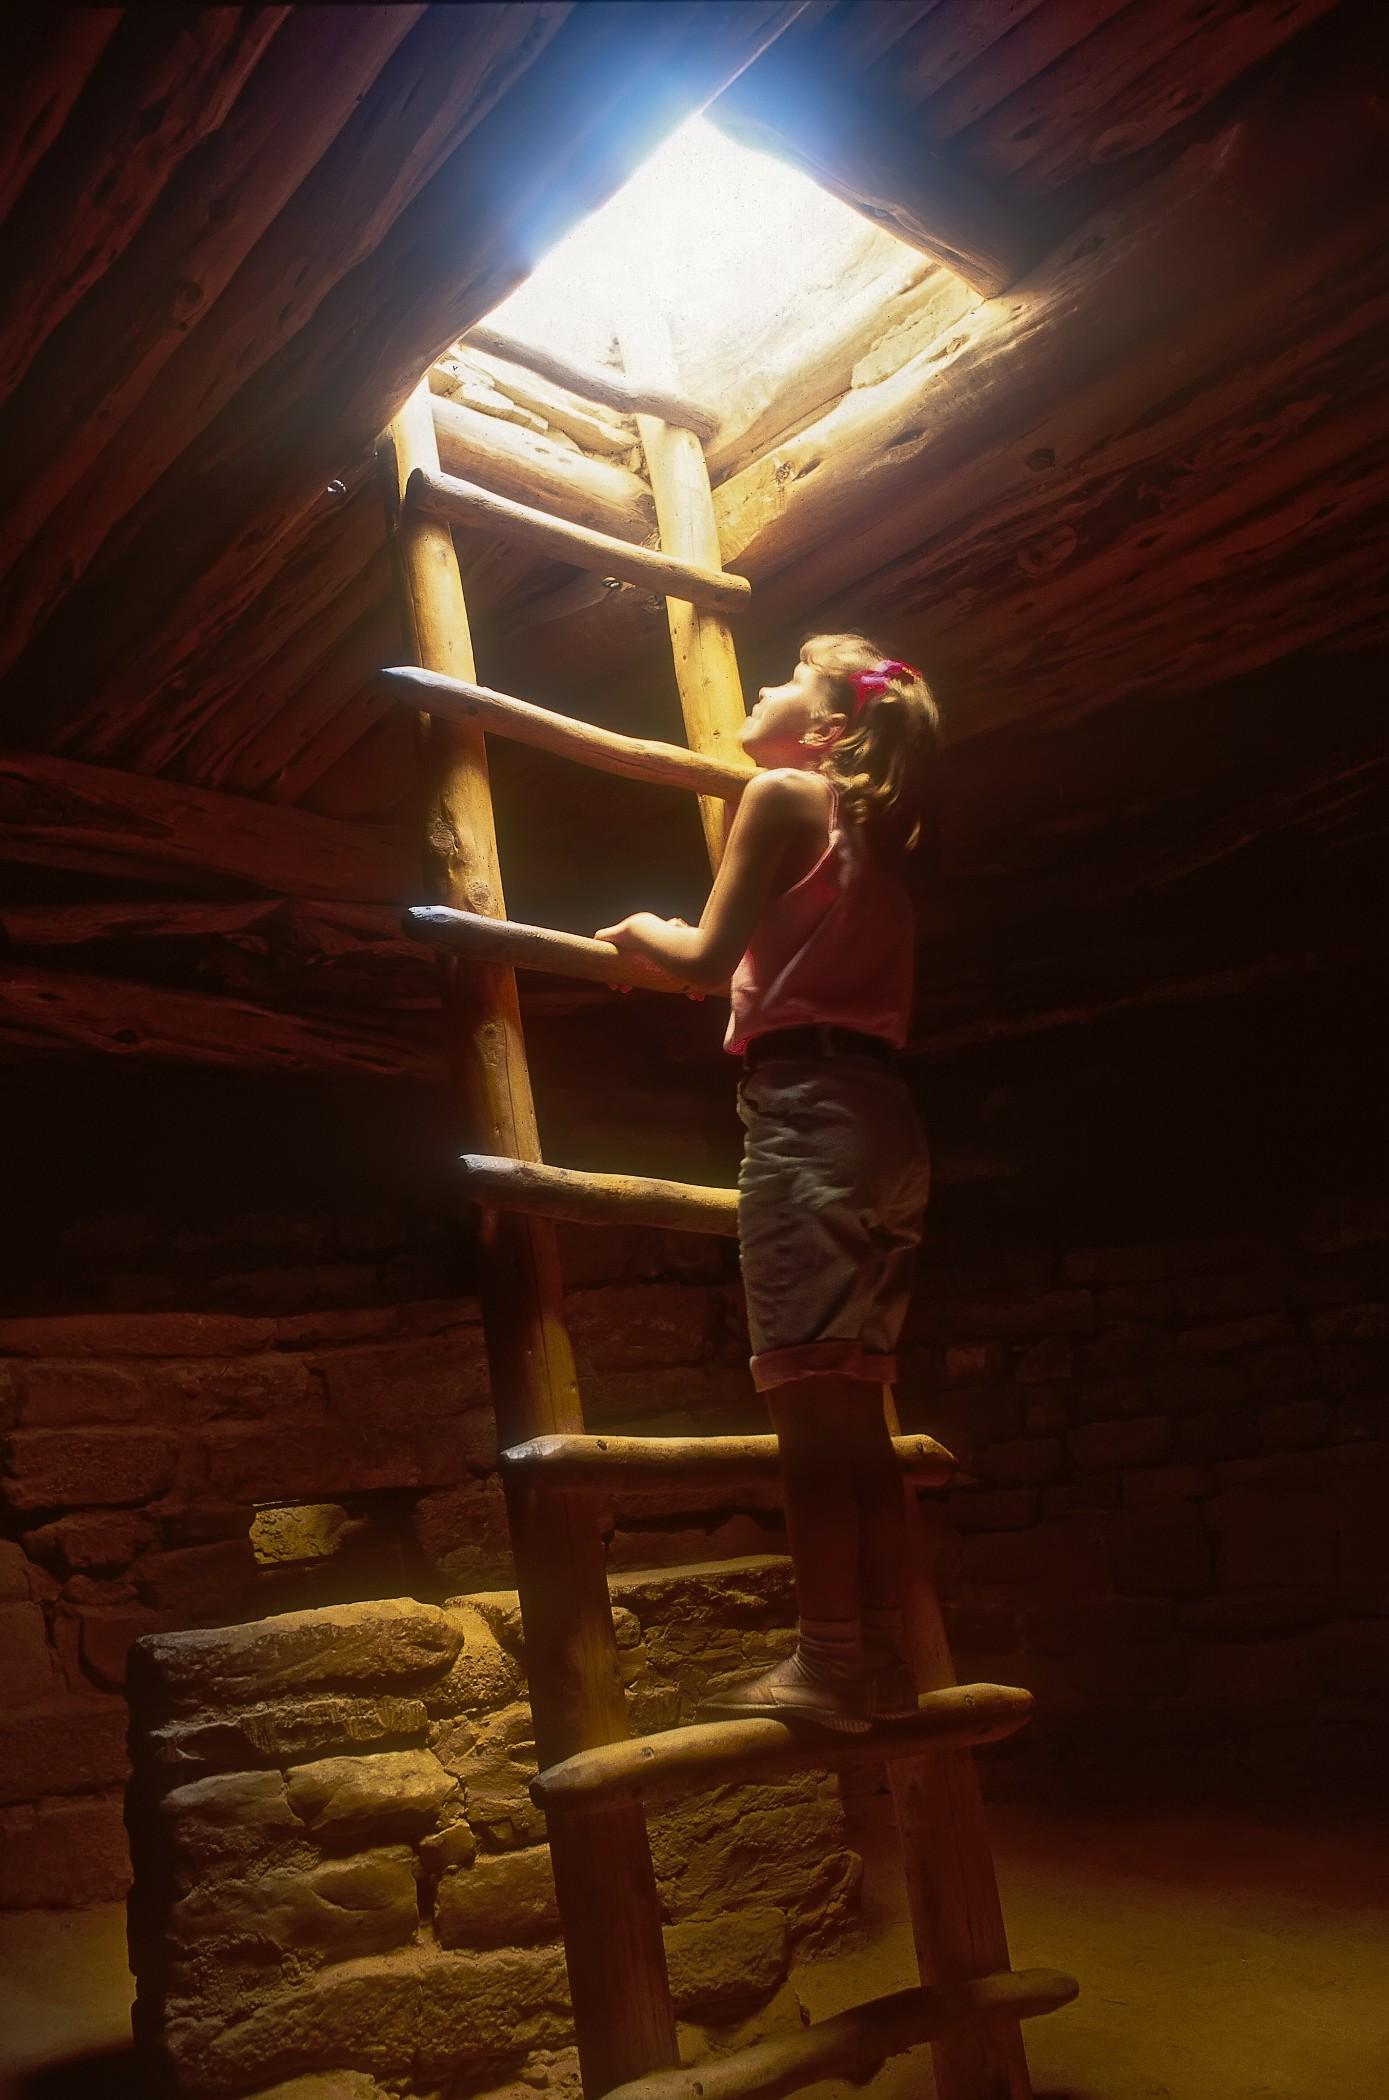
(947, 1856)
(618, 1983)
(706, 665)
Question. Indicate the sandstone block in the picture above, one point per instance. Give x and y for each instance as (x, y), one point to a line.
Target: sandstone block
(288, 1732)
(1295, 1425)
(993, 1509)
(248, 1388)
(106, 1636)
(779, 1847)
(1110, 1399)
(367, 1646)
(80, 1391)
(70, 1335)
(1224, 1432)
(63, 1854)
(495, 1762)
(503, 1899)
(1127, 1352)
(1363, 1536)
(1351, 1323)
(483, 1676)
(1063, 1556)
(1160, 1552)
(1025, 1460)
(1044, 1361)
(26, 1660)
(462, 1533)
(14, 1572)
(1155, 1484)
(9, 1397)
(215, 1581)
(965, 1418)
(723, 1968)
(974, 1363)
(624, 1253)
(94, 1541)
(370, 1796)
(337, 1911)
(230, 1817)
(1187, 1387)
(64, 1469)
(1253, 1614)
(61, 1746)
(1099, 1265)
(626, 1327)
(1226, 1297)
(1122, 1304)
(1219, 1337)
(1094, 1494)
(1082, 1623)
(981, 1629)
(1006, 1316)
(325, 2085)
(1136, 1441)
(428, 1376)
(1271, 1539)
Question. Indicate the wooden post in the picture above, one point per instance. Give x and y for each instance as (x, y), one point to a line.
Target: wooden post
(957, 1920)
(603, 1873)
(706, 667)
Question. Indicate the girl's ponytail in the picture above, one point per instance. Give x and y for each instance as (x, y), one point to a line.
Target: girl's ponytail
(886, 763)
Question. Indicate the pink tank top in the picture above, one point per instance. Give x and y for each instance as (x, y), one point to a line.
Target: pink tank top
(836, 948)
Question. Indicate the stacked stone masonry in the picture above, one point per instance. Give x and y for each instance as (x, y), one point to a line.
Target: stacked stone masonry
(1175, 1458)
(340, 1873)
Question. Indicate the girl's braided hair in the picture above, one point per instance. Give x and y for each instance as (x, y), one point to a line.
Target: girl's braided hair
(886, 764)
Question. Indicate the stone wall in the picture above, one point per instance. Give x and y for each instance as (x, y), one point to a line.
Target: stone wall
(339, 1869)
(1175, 1456)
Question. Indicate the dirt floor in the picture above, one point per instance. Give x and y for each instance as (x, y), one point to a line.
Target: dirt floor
(1222, 1956)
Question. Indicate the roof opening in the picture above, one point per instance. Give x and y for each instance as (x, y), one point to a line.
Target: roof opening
(717, 233)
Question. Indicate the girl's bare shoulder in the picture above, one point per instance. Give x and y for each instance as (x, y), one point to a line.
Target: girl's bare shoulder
(787, 794)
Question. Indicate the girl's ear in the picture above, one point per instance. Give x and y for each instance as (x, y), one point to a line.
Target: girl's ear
(824, 732)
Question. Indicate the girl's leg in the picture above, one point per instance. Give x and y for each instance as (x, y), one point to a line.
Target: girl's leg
(817, 1439)
(882, 1517)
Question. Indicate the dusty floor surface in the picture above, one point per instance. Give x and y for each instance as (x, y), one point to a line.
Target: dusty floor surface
(1222, 1956)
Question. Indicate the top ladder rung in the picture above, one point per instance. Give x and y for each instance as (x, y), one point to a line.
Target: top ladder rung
(594, 383)
(723, 1464)
(467, 503)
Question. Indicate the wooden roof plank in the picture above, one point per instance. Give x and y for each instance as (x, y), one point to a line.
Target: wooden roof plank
(49, 56)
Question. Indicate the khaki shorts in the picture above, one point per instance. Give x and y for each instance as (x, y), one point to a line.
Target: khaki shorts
(831, 1192)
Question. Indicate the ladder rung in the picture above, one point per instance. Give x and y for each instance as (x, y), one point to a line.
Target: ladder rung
(610, 1463)
(717, 1753)
(595, 383)
(631, 757)
(486, 940)
(855, 2043)
(464, 503)
(600, 1199)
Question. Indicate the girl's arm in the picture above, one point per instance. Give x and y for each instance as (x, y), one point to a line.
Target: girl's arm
(776, 811)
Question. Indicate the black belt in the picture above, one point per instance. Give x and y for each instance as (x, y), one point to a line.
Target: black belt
(816, 1040)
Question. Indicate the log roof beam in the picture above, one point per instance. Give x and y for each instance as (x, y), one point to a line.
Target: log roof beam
(593, 383)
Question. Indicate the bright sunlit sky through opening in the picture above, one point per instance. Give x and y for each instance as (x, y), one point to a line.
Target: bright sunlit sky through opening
(711, 229)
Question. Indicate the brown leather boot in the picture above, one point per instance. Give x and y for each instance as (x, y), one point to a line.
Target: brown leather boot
(785, 1693)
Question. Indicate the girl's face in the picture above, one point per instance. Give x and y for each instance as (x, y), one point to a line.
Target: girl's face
(791, 725)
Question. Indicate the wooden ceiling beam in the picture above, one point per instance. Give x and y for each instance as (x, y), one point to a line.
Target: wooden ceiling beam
(49, 56)
(543, 146)
(55, 813)
(610, 389)
(792, 106)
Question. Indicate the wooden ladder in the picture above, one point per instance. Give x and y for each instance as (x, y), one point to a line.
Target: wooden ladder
(594, 1780)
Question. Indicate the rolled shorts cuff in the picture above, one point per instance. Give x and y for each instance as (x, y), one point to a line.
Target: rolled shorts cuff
(821, 1359)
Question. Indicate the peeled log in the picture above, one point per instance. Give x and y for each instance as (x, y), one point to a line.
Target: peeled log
(533, 469)
(41, 1010)
(49, 57)
(170, 79)
(546, 147)
(55, 813)
(97, 367)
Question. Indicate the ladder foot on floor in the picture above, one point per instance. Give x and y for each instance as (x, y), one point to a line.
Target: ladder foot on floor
(856, 2043)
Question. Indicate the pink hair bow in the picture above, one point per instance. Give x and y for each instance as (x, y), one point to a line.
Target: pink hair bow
(869, 684)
